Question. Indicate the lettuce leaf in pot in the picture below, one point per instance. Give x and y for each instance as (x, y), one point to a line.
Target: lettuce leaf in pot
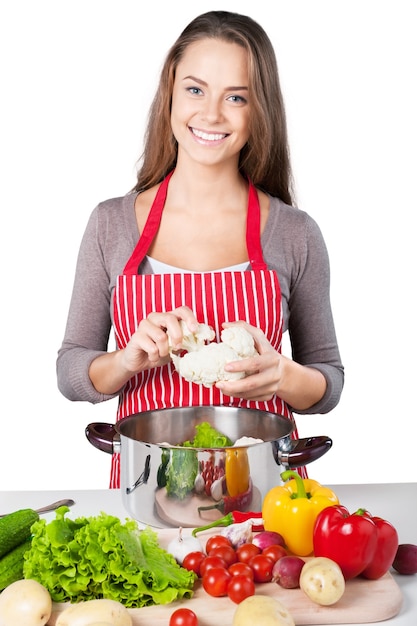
(181, 472)
(206, 436)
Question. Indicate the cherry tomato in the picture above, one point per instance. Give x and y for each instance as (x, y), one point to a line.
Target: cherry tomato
(227, 553)
(239, 588)
(246, 551)
(275, 552)
(262, 568)
(216, 580)
(211, 561)
(192, 561)
(183, 617)
(240, 569)
(215, 541)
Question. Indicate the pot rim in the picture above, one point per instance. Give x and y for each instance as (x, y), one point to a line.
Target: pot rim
(203, 413)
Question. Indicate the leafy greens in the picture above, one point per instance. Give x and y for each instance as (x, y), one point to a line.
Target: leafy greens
(206, 436)
(100, 557)
(181, 472)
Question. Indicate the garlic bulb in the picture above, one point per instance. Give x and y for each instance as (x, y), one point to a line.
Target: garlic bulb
(180, 546)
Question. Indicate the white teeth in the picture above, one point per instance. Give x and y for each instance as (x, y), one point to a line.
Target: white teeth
(208, 136)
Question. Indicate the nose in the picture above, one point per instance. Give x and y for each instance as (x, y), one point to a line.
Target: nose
(212, 110)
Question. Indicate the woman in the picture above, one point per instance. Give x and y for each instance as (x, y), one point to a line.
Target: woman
(209, 234)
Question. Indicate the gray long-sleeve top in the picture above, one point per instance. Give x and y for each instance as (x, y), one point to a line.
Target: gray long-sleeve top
(292, 245)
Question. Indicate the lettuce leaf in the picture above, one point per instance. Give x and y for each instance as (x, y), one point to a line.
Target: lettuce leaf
(206, 436)
(100, 557)
(181, 472)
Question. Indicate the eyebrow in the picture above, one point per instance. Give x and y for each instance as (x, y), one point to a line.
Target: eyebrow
(202, 82)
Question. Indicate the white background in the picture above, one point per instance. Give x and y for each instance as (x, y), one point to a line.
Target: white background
(76, 82)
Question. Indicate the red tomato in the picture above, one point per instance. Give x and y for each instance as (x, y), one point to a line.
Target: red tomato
(246, 551)
(241, 569)
(192, 561)
(215, 541)
(275, 552)
(183, 617)
(239, 588)
(216, 580)
(227, 553)
(262, 568)
(211, 561)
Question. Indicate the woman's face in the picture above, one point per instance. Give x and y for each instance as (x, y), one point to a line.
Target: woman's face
(210, 108)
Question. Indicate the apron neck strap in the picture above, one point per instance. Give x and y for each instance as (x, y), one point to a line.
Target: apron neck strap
(253, 230)
(150, 228)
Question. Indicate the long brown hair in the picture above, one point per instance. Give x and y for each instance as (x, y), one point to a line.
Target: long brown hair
(265, 157)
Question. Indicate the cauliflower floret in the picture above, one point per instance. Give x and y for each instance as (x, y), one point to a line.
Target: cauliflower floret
(194, 341)
(204, 362)
(240, 340)
(206, 365)
(247, 441)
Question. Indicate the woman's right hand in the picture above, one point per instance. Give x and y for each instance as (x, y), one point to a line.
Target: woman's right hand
(148, 347)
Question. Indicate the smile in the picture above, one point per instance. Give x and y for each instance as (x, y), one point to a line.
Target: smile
(208, 136)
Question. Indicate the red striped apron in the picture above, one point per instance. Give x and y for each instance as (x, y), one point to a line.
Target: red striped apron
(215, 297)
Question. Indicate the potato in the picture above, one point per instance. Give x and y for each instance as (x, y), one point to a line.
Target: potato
(322, 581)
(259, 609)
(25, 602)
(95, 611)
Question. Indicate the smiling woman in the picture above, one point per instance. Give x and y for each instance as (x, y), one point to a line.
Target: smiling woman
(209, 234)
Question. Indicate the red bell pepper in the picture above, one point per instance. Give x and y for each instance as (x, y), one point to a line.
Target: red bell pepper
(348, 539)
(386, 549)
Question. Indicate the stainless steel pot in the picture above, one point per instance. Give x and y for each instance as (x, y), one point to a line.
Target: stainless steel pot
(166, 485)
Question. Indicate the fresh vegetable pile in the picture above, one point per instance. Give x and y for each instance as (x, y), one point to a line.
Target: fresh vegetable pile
(313, 522)
(99, 557)
(103, 566)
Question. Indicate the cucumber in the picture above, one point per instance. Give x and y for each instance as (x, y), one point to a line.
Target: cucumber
(11, 565)
(15, 529)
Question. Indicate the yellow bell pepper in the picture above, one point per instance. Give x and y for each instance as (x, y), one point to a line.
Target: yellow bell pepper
(291, 510)
(237, 471)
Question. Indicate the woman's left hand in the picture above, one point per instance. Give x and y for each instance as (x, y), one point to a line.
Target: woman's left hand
(270, 373)
(262, 371)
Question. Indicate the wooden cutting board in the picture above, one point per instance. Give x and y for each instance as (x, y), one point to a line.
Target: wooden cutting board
(364, 601)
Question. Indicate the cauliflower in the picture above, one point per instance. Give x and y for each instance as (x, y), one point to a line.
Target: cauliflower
(194, 341)
(204, 363)
(240, 340)
(247, 441)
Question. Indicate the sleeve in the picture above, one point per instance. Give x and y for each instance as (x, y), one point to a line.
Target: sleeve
(89, 321)
(311, 325)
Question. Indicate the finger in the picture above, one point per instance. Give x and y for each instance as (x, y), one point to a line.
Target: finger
(185, 314)
(151, 339)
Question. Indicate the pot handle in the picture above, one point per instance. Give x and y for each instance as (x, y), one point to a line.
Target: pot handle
(304, 451)
(103, 436)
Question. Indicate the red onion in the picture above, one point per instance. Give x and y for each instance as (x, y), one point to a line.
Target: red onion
(267, 538)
